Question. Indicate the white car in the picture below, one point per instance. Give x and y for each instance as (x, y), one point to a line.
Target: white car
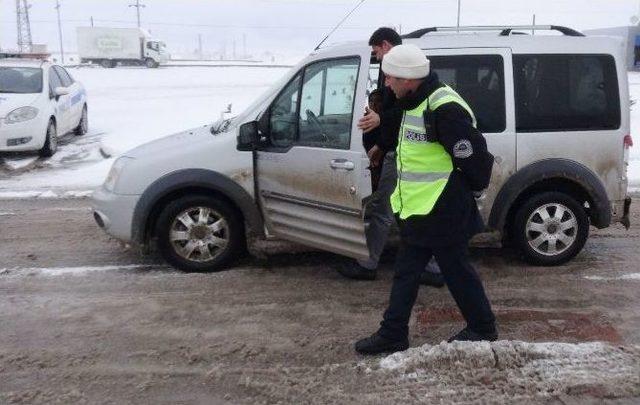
(39, 102)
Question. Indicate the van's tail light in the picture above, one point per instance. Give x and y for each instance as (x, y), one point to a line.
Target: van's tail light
(627, 143)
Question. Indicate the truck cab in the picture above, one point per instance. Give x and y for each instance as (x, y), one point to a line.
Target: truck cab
(292, 165)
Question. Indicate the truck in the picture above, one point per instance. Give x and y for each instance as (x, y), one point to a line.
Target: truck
(128, 46)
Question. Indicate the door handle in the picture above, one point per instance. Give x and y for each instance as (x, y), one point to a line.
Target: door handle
(343, 164)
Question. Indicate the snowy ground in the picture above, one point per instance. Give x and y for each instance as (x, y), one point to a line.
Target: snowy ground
(130, 106)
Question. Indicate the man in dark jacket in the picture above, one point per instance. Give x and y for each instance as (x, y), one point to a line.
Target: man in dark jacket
(380, 128)
(441, 158)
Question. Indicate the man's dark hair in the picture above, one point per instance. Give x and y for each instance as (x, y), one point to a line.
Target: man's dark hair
(385, 34)
(375, 93)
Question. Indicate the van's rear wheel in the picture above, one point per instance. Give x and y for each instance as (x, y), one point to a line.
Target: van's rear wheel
(550, 229)
(199, 233)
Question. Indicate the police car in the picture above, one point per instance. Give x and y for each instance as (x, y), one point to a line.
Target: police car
(39, 102)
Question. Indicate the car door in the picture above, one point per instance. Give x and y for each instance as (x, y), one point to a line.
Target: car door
(76, 95)
(62, 104)
(484, 79)
(311, 171)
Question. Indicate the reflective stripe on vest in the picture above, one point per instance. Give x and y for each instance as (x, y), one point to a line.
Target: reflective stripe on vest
(423, 167)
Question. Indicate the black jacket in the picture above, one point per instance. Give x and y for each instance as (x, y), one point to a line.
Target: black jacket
(455, 217)
(390, 119)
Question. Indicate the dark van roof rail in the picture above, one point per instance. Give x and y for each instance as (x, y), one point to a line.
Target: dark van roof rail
(504, 30)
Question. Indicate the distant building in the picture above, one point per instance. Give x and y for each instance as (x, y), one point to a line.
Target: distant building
(631, 37)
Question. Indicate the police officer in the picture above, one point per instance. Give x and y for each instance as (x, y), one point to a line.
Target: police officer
(441, 159)
(381, 129)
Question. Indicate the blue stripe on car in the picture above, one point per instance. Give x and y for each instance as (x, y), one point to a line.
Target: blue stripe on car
(78, 97)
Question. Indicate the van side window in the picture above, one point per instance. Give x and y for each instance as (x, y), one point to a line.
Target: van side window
(283, 119)
(566, 92)
(326, 105)
(479, 79)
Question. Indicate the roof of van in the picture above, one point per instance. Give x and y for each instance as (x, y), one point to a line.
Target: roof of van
(517, 43)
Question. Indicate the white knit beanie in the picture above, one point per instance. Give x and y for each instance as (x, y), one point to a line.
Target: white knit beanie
(405, 62)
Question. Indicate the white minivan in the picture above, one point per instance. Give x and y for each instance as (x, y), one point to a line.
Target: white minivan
(553, 108)
(39, 102)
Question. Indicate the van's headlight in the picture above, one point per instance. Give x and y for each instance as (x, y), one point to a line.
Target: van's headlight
(21, 114)
(114, 173)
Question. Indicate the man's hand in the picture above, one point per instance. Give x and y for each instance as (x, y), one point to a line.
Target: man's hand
(370, 121)
(375, 156)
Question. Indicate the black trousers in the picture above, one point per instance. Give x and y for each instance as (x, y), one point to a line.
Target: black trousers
(461, 278)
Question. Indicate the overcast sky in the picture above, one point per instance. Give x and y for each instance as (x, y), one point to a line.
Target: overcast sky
(293, 27)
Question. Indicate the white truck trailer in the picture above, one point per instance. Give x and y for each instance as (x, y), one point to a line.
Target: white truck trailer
(128, 46)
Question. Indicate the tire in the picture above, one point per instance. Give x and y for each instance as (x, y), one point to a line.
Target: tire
(51, 141)
(150, 63)
(83, 125)
(107, 63)
(192, 247)
(550, 228)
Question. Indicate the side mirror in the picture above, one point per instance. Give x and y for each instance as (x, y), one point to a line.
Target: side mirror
(248, 136)
(60, 91)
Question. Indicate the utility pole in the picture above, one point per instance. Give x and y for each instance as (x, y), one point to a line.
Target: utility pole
(60, 32)
(533, 28)
(25, 44)
(458, 24)
(200, 45)
(137, 6)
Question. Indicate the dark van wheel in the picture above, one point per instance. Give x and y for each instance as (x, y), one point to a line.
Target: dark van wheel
(83, 125)
(550, 229)
(199, 233)
(51, 141)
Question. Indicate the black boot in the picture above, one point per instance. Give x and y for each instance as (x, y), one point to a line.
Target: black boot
(376, 344)
(357, 272)
(468, 335)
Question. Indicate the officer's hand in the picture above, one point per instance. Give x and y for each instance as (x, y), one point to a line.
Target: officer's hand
(370, 121)
(375, 156)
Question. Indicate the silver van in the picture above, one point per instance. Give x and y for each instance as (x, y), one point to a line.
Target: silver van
(553, 108)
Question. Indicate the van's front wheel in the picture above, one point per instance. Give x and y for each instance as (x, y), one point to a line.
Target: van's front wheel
(199, 233)
(550, 229)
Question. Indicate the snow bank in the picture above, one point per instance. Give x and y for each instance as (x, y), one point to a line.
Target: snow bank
(508, 371)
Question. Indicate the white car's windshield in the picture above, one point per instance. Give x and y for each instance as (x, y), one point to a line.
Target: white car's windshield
(20, 80)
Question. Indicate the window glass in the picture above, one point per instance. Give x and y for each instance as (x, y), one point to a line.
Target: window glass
(566, 92)
(54, 80)
(66, 78)
(326, 104)
(20, 80)
(479, 79)
(283, 119)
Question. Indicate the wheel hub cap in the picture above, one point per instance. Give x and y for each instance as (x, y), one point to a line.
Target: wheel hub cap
(551, 229)
(199, 234)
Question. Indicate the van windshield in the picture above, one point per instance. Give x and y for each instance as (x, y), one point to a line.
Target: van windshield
(20, 80)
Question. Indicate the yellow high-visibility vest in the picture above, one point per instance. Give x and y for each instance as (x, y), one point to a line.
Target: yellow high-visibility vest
(423, 167)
